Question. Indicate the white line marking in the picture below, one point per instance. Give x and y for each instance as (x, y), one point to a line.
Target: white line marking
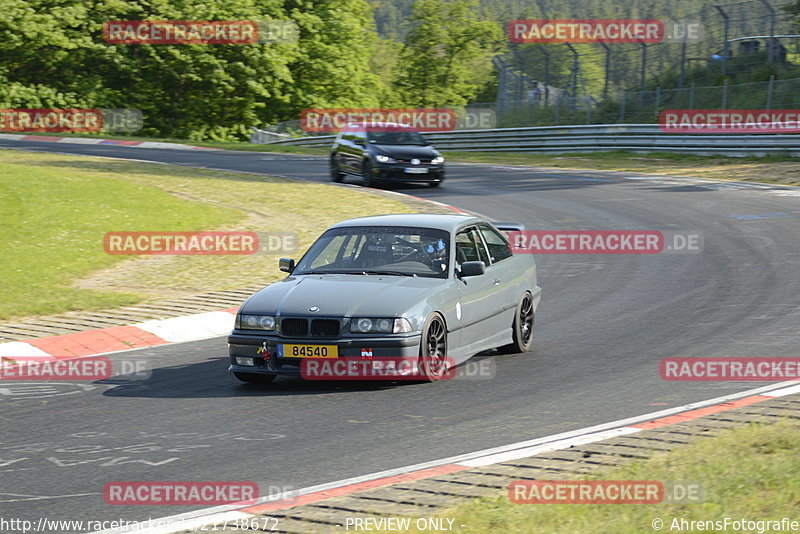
(783, 391)
(20, 348)
(39, 497)
(191, 327)
(554, 446)
(81, 141)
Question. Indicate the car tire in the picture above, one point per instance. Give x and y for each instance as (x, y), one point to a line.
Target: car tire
(366, 174)
(435, 184)
(254, 378)
(522, 327)
(336, 175)
(433, 362)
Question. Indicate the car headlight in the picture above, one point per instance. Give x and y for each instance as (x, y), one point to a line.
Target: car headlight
(255, 322)
(437, 160)
(366, 325)
(384, 159)
(401, 325)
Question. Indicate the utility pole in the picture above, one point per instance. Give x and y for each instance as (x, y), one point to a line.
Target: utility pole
(725, 43)
(644, 64)
(771, 44)
(608, 68)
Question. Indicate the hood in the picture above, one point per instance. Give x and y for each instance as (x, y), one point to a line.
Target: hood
(340, 295)
(407, 151)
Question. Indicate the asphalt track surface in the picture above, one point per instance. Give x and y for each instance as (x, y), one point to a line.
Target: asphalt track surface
(604, 323)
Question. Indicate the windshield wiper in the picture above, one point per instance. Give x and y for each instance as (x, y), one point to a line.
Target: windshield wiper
(360, 271)
(330, 272)
(393, 273)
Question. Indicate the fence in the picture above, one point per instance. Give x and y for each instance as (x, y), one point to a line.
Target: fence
(635, 107)
(541, 84)
(732, 38)
(643, 107)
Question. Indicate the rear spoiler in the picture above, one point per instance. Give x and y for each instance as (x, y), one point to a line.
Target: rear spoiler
(509, 226)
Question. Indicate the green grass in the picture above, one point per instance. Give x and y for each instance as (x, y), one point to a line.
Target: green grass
(55, 210)
(750, 472)
(53, 221)
(781, 169)
(224, 145)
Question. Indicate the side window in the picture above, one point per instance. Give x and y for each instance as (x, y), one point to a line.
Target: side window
(360, 134)
(469, 247)
(347, 136)
(497, 245)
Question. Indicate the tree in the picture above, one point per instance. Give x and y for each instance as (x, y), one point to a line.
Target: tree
(444, 50)
(332, 69)
(52, 54)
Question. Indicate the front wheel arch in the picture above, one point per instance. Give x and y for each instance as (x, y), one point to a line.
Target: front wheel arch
(433, 362)
(522, 326)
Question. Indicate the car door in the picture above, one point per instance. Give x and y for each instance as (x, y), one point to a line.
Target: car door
(477, 293)
(359, 149)
(506, 277)
(344, 150)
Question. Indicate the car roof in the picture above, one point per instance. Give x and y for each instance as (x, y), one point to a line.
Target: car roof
(383, 126)
(421, 220)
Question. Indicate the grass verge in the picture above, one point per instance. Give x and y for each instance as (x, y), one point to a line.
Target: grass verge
(224, 145)
(770, 169)
(57, 208)
(751, 472)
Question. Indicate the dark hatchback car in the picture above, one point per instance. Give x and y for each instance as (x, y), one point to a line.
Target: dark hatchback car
(385, 152)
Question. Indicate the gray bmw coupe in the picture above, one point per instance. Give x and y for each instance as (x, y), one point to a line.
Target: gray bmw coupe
(428, 290)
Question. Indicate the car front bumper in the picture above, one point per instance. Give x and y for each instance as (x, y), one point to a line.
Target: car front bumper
(270, 362)
(397, 172)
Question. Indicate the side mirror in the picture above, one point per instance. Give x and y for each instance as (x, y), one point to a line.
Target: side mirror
(360, 142)
(286, 265)
(472, 268)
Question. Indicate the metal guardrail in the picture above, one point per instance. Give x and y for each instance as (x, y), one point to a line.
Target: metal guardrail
(263, 137)
(598, 138)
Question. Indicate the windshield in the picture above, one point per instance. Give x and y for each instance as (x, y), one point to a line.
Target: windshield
(401, 137)
(389, 250)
